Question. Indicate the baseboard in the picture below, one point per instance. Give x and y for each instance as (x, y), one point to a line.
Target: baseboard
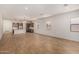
(58, 37)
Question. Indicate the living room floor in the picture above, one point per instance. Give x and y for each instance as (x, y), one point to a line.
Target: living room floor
(31, 43)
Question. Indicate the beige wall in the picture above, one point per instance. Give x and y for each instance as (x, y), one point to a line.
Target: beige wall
(1, 25)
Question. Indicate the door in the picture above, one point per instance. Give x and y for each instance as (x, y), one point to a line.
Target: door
(7, 26)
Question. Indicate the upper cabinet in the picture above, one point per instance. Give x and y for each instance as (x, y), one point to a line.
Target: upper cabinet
(17, 25)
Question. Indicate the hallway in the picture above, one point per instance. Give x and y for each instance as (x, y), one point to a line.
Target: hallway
(31, 43)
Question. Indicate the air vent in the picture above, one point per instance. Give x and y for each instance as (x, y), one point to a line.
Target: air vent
(65, 5)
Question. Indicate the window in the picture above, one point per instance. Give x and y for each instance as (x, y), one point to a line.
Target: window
(74, 25)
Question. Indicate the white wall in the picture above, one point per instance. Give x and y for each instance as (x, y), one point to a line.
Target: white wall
(7, 26)
(1, 29)
(60, 26)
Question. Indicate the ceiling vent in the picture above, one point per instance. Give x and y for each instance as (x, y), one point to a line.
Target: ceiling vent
(65, 5)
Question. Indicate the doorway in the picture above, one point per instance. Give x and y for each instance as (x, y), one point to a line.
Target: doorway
(30, 27)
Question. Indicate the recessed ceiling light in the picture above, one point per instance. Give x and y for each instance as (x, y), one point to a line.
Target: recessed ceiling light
(26, 8)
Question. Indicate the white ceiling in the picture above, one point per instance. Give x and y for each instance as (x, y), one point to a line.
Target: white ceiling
(18, 11)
